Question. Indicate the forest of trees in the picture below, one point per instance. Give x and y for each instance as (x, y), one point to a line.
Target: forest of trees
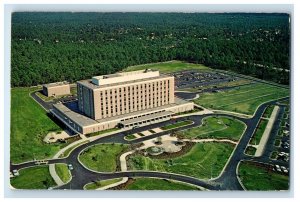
(49, 47)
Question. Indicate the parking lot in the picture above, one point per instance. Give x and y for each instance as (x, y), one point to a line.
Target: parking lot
(198, 79)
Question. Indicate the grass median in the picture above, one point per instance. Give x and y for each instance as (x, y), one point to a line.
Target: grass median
(63, 172)
(99, 184)
(177, 125)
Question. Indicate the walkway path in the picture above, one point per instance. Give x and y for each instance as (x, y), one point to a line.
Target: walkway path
(54, 175)
(210, 140)
(233, 113)
(265, 136)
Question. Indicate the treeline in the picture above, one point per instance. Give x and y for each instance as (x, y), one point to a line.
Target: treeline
(49, 47)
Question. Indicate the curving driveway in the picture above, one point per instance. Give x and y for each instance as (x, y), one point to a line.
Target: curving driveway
(226, 181)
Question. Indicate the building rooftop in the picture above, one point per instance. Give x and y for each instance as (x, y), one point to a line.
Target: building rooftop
(89, 83)
(62, 83)
(75, 116)
(124, 76)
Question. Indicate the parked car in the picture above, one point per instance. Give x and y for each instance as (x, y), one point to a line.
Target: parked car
(70, 167)
(284, 169)
(16, 173)
(278, 168)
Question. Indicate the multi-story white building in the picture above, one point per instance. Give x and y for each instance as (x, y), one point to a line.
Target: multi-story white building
(122, 100)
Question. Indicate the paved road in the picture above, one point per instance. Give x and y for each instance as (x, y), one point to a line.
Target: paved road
(226, 181)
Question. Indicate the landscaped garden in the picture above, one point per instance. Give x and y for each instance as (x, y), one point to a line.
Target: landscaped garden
(102, 157)
(203, 160)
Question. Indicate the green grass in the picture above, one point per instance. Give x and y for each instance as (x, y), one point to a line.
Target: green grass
(259, 132)
(258, 178)
(29, 125)
(171, 66)
(202, 161)
(250, 150)
(63, 172)
(274, 155)
(102, 183)
(102, 157)
(44, 97)
(68, 151)
(268, 112)
(130, 137)
(102, 132)
(277, 142)
(158, 184)
(152, 131)
(177, 125)
(216, 127)
(33, 178)
(244, 99)
(141, 134)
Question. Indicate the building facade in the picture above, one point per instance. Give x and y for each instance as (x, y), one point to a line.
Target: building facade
(123, 93)
(123, 100)
(56, 89)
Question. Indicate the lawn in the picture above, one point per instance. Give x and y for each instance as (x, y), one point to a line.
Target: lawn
(130, 137)
(274, 155)
(158, 184)
(258, 178)
(102, 183)
(33, 178)
(204, 160)
(244, 99)
(63, 172)
(255, 139)
(102, 157)
(171, 66)
(268, 112)
(250, 150)
(216, 127)
(29, 125)
(102, 132)
(277, 142)
(177, 125)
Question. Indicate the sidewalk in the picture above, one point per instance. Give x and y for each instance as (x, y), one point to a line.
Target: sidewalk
(265, 136)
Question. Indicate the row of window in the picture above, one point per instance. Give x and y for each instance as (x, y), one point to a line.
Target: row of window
(137, 88)
(146, 95)
(138, 107)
